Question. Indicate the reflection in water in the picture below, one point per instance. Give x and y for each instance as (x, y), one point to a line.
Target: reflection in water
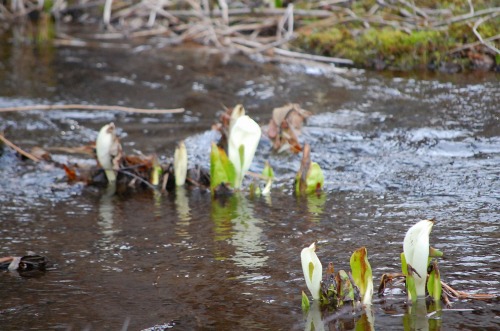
(315, 205)
(106, 215)
(416, 317)
(30, 71)
(234, 222)
(183, 212)
(367, 320)
(343, 318)
(223, 211)
(158, 204)
(434, 316)
(313, 320)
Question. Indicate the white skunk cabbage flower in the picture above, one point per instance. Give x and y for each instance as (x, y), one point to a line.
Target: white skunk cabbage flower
(245, 132)
(180, 164)
(416, 250)
(313, 270)
(108, 148)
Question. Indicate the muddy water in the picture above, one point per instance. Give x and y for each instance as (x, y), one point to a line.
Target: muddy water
(394, 150)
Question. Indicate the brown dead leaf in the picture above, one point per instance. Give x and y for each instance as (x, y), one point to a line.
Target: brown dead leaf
(285, 127)
(70, 173)
(41, 153)
(224, 126)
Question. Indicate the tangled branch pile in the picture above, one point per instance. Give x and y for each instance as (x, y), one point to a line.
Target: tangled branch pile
(338, 31)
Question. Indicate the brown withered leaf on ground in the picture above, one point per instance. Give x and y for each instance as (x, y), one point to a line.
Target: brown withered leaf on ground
(480, 60)
(117, 153)
(83, 173)
(285, 127)
(41, 154)
(70, 173)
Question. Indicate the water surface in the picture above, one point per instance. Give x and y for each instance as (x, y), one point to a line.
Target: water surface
(394, 150)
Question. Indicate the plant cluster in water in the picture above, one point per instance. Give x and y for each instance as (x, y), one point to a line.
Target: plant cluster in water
(420, 274)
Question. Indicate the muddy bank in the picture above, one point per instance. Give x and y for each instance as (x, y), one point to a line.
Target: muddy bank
(448, 37)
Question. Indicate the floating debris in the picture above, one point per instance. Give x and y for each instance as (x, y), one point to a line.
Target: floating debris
(28, 266)
(162, 327)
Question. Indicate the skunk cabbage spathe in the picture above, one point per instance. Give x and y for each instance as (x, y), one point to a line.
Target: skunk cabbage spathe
(108, 150)
(313, 270)
(416, 254)
(243, 140)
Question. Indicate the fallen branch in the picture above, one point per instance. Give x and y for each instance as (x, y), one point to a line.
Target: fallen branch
(468, 16)
(291, 54)
(471, 45)
(311, 57)
(18, 149)
(93, 107)
(478, 35)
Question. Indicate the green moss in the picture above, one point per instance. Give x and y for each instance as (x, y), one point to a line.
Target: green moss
(391, 48)
(385, 47)
(396, 48)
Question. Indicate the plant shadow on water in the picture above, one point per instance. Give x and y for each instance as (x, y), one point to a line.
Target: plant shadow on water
(394, 150)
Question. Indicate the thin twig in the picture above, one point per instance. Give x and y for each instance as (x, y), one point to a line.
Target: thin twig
(478, 35)
(415, 9)
(318, 58)
(471, 7)
(18, 149)
(93, 107)
(467, 46)
(142, 180)
(465, 295)
(225, 11)
(468, 16)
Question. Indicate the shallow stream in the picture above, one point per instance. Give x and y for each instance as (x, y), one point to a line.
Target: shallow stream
(394, 149)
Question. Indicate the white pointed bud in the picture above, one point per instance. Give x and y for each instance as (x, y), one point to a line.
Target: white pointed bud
(245, 132)
(106, 149)
(416, 250)
(180, 164)
(313, 270)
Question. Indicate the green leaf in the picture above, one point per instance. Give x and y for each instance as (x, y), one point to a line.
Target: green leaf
(404, 267)
(305, 302)
(268, 171)
(221, 169)
(346, 290)
(315, 178)
(434, 252)
(156, 172)
(411, 288)
(362, 273)
(434, 282)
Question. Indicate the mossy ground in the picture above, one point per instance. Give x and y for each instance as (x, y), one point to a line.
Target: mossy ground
(381, 46)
